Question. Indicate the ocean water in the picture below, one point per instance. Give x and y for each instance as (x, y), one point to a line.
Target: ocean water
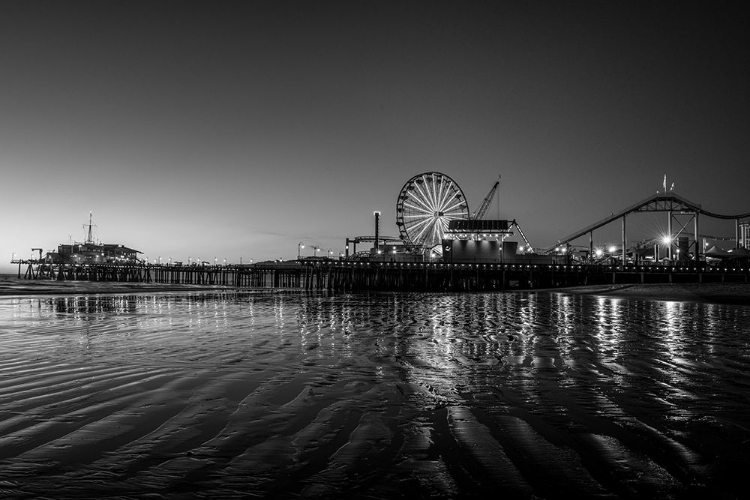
(236, 394)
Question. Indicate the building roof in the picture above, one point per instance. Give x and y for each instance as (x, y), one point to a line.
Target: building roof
(478, 226)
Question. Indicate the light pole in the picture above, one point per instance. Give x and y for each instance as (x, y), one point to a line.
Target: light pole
(315, 249)
(300, 246)
(330, 253)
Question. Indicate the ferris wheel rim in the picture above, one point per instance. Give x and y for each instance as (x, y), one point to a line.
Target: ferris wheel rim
(425, 204)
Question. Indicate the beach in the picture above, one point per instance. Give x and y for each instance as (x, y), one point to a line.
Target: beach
(715, 293)
(141, 391)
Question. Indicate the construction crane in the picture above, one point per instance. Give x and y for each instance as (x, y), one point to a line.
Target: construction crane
(479, 213)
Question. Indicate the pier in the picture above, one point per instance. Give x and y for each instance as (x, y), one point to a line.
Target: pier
(345, 276)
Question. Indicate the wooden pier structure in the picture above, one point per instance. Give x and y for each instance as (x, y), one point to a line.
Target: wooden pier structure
(345, 276)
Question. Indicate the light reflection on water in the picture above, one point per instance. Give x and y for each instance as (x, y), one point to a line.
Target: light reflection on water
(575, 370)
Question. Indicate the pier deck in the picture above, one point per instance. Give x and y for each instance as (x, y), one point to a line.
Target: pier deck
(412, 276)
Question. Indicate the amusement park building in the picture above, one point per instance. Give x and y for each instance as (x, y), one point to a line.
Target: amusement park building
(93, 253)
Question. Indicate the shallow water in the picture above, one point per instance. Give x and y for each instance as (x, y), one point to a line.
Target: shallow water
(235, 394)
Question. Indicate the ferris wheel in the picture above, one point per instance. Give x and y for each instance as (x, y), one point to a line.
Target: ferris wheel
(425, 205)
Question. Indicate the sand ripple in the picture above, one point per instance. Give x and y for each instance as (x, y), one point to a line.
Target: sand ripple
(230, 395)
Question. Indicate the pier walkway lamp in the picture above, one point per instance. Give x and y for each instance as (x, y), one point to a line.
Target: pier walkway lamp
(315, 251)
(300, 246)
(330, 253)
(667, 240)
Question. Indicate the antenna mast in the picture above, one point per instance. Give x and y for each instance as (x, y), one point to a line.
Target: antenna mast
(89, 237)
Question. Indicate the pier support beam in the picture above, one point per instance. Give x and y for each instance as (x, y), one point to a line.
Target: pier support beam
(624, 244)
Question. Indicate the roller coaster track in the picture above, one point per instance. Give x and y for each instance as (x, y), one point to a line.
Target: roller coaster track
(660, 202)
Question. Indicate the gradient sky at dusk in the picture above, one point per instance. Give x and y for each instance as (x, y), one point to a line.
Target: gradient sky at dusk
(239, 129)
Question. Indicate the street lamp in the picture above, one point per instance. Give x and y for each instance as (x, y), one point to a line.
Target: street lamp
(300, 246)
(315, 251)
(330, 253)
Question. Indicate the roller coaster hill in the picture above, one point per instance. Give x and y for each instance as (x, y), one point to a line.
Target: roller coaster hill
(682, 245)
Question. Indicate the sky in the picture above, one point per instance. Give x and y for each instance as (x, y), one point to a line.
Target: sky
(237, 130)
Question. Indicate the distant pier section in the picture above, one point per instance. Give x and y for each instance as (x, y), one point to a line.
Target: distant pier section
(347, 276)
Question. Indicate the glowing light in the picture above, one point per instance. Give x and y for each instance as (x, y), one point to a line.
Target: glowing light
(612, 249)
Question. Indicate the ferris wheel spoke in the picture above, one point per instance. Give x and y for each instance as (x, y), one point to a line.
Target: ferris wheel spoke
(435, 190)
(421, 200)
(423, 222)
(426, 228)
(443, 195)
(418, 207)
(451, 208)
(429, 202)
(414, 221)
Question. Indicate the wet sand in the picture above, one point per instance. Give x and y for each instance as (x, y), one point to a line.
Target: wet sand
(10, 286)
(238, 395)
(714, 293)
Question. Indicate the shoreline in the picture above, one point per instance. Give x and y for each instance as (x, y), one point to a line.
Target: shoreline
(47, 288)
(717, 293)
(713, 293)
